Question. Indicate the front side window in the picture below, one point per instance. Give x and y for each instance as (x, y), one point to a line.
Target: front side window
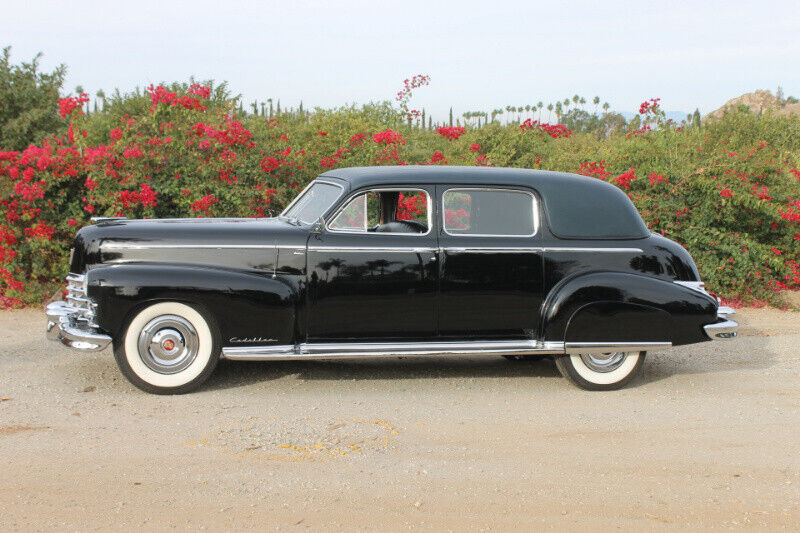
(491, 212)
(313, 202)
(385, 211)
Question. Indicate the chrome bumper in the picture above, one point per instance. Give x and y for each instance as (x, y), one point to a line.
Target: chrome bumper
(63, 325)
(723, 328)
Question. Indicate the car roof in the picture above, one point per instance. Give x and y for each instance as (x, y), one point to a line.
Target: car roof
(425, 174)
(576, 206)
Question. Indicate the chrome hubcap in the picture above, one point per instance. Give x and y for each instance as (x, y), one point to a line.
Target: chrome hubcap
(603, 362)
(168, 344)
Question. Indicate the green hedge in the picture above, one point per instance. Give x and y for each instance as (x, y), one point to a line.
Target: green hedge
(729, 192)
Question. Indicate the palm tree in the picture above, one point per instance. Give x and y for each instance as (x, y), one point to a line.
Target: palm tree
(101, 95)
(606, 106)
(559, 109)
(596, 102)
(549, 111)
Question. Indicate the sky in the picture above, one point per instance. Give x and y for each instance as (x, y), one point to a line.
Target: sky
(480, 55)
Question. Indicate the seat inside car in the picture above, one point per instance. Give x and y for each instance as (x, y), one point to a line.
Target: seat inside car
(388, 222)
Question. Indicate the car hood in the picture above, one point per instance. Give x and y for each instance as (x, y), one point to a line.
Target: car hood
(123, 240)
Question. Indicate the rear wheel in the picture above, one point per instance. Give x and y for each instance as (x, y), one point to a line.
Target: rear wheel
(600, 371)
(168, 348)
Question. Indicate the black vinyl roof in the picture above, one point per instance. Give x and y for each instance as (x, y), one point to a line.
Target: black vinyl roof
(575, 206)
(424, 174)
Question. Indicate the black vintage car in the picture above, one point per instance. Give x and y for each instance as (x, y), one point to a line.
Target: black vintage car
(391, 261)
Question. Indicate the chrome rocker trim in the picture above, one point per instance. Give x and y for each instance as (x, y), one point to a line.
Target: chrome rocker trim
(366, 349)
(62, 327)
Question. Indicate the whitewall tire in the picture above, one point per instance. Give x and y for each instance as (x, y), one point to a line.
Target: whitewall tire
(600, 371)
(168, 348)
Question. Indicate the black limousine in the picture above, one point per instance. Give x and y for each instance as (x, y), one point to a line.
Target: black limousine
(391, 261)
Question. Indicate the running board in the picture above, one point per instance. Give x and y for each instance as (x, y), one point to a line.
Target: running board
(340, 350)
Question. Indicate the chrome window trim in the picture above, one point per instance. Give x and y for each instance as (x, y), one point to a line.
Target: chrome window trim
(315, 180)
(535, 206)
(428, 205)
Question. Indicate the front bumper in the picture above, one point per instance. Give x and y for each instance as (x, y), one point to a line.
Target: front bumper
(63, 325)
(724, 327)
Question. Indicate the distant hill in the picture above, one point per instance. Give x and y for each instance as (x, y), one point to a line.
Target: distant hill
(760, 102)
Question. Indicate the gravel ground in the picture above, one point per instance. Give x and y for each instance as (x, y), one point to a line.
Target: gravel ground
(707, 437)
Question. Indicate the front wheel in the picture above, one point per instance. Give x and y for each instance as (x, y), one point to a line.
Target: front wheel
(600, 371)
(168, 348)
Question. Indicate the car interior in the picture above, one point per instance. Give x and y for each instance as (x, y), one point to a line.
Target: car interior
(388, 209)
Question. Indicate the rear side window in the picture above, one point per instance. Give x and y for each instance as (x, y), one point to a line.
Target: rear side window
(490, 212)
(590, 209)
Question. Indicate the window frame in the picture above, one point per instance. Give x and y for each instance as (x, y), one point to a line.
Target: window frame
(534, 207)
(345, 203)
(300, 195)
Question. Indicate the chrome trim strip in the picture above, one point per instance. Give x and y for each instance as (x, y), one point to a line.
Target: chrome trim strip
(477, 250)
(727, 329)
(345, 350)
(604, 347)
(533, 249)
(98, 220)
(607, 250)
(725, 311)
(355, 350)
(126, 246)
(492, 250)
(387, 249)
(535, 205)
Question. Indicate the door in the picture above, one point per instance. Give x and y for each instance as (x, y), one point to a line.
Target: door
(491, 270)
(373, 269)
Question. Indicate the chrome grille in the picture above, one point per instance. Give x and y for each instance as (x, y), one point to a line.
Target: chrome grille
(79, 301)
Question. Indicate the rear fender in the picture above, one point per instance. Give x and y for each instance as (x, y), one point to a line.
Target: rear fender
(622, 307)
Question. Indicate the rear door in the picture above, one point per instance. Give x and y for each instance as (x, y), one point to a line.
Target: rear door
(491, 269)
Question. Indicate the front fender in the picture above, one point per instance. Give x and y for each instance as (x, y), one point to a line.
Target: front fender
(624, 307)
(244, 305)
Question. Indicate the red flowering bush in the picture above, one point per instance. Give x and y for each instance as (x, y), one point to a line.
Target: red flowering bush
(729, 192)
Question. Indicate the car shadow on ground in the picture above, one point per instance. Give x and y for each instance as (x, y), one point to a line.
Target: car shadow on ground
(231, 374)
(748, 352)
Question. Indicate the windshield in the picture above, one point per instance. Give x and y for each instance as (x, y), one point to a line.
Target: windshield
(313, 202)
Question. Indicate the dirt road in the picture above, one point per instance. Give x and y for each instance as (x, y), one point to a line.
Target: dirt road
(708, 436)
